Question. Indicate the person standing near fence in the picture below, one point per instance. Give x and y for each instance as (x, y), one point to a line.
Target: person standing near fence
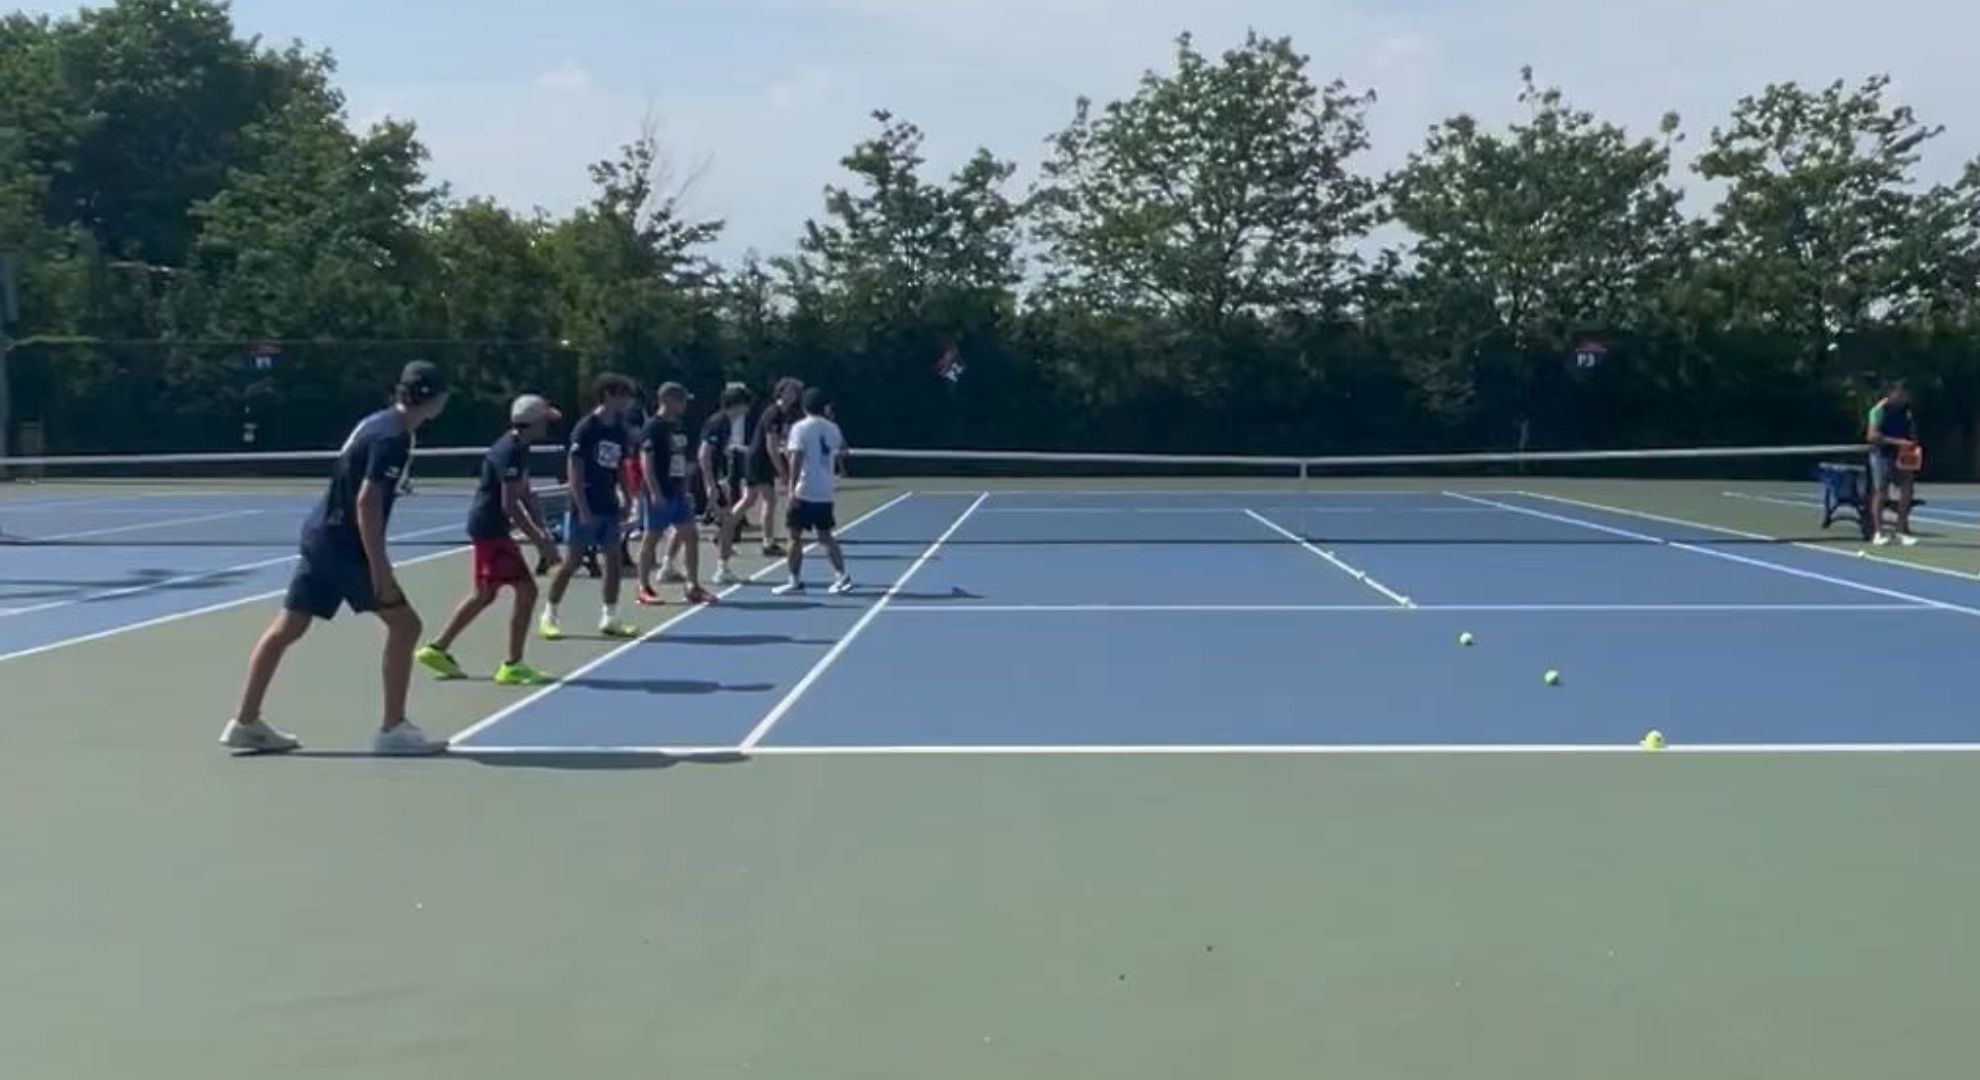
(1893, 435)
(345, 563)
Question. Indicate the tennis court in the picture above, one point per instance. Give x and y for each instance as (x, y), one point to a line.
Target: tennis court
(1095, 775)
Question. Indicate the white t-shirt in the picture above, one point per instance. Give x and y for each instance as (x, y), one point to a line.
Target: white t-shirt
(819, 440)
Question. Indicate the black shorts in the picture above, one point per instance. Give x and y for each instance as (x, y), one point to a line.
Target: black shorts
(808, 516)
(761, 472)
(327, 580)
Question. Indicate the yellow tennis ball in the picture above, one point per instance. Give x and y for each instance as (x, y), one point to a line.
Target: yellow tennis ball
(1653, 741)
(1552, 678)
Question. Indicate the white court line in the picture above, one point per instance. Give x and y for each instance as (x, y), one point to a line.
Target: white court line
(1935, 517)
(165, 523)
(1332, 559)
(192, 579)
(172, 617)
(1743, 560)
(838, 649)
(1204, 511)
(1391, 609)
(1220, 750)
(1825, 548)
(599, 661)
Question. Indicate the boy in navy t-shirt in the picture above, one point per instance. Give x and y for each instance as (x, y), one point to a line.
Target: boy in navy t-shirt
(344, 563)
(503, 505)
(595, 521)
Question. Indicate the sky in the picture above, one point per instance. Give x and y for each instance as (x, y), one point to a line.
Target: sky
(759, 99)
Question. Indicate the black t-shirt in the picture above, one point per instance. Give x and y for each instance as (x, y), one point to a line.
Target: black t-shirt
(599, 446)
(378, 450)
(773, 431)
(717, 433)
(507, 460)
(667, 441)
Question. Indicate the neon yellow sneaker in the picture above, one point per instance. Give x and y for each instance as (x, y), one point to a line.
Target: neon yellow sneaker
(439, 661)
(613, 628)
(521, 675)
(548, 628)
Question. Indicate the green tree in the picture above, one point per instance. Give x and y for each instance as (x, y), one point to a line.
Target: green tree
(158, 99)
(1218, 189)
(899, 267)
(1525, 240)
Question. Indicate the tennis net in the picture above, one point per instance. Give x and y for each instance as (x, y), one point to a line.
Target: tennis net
(230, 500)
(1032, 497)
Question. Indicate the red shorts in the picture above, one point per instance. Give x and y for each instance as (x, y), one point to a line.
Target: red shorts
(499, 563)
(635, 476)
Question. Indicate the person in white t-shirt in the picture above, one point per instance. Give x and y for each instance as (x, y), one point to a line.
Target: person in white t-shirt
(815, 447)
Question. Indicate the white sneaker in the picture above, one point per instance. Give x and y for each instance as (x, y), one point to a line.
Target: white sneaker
(842, 586)
(1907, 540)
(257, 737)
(1883, 539)
(789, 588)
(404, 739)
(726, 576)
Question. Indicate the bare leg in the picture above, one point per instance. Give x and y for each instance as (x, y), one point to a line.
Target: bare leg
(649, 543)
(614, 571)
(830, 540)
(470, 608)
(266, 658)
(519, 618)
(794, 558)
(560, 582)
(402, 630)
(687, 552)
(1904, 504)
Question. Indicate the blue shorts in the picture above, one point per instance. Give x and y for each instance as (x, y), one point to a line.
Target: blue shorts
(666, 513)
(326, 580)
(602, 535)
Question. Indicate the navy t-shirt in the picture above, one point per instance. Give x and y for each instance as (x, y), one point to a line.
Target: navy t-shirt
(378, 450)
(667, 441)
(506, 461)
(599, 447)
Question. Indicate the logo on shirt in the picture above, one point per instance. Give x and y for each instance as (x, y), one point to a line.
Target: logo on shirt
(608, 455)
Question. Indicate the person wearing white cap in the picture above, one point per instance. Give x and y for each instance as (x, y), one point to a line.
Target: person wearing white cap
(503, 504)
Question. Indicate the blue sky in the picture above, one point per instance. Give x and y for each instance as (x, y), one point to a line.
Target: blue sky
(762, 97)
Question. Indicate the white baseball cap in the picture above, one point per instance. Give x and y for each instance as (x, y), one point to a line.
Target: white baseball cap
(530, 408)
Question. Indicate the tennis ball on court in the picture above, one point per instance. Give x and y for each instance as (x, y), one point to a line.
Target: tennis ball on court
(1551, 678)
(1465, 638)
(1653, 741)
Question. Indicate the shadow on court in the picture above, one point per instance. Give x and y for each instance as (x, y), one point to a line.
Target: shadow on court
(605, 762)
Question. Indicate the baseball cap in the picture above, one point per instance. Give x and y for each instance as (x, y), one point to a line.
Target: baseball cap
(421, 381)
(530, 408)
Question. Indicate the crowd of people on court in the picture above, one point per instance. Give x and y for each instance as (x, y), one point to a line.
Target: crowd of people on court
(633, 473)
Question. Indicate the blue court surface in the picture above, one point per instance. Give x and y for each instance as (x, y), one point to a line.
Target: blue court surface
(1210, 621)
(96, 564)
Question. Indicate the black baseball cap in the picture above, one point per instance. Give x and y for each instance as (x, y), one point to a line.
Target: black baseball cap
(421, 381)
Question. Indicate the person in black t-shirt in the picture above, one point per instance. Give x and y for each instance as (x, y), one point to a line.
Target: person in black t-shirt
(768, 468)
(344, 563)
(666, 512)
(725, 445)
(503, 504)
(599, 446)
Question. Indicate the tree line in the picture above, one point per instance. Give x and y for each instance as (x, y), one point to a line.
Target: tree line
(1198, 266)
